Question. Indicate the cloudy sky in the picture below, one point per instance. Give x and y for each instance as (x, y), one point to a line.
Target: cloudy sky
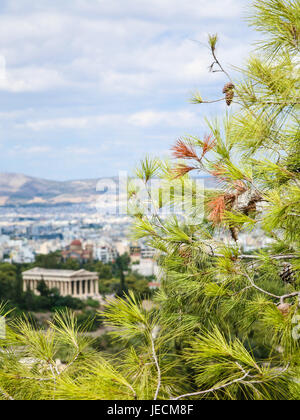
(88, 87)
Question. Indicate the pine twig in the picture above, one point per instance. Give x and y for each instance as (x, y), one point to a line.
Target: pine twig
(219, 64)
(259, 288)
(194, 394)
(282, 298)
(154, 355)
(257, 257)
(28, 378)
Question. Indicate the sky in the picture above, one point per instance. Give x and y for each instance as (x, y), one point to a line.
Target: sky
(89, 87)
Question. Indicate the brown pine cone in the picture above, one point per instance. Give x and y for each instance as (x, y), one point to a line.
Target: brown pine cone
(234, 233)
(284, 308)
(229, 97)
(228, 86)
(287, 273)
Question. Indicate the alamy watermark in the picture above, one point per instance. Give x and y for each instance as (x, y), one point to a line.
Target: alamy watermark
(2, 328)
(296, 329)
(182, 198)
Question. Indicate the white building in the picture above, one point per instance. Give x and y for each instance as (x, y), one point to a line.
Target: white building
(105, 253)
(146, 268)
(80, 284)
(147, 252)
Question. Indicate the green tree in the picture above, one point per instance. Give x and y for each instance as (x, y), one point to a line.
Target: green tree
(104, 270)
(43, 289)
(71, 264)
(138, 284)
(8, 282)
(52, 260)
(237, 312)
(121, 266)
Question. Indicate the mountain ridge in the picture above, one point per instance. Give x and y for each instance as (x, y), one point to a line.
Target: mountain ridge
(18, 189)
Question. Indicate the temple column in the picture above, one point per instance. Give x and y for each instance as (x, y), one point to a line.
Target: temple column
(80, 287)
(96, 287)
(92, 288)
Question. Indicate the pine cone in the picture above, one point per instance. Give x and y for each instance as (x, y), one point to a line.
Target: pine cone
(228, 87)
(229, 93)
(234, 233)
(185, 253)
(287, 273)
(284, 308)
(229, 97)
(246, 202)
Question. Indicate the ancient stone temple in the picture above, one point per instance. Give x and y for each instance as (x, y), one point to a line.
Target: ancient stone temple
(80, 284)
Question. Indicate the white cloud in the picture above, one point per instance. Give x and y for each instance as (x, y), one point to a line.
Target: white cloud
(72, 122)
(32, 150)
(116, 46)
(28, 79)
(166, 118)
(76, 74)
(192, 9)
(146, 118)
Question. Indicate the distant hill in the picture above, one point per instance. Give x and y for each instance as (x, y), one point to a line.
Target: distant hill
(19, 189)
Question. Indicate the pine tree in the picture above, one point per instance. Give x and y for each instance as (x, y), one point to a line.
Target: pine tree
(224, 323)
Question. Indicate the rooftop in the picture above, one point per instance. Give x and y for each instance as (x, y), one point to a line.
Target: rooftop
(37, 271)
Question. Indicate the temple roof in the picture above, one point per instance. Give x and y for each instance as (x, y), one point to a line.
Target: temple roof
(40, 272)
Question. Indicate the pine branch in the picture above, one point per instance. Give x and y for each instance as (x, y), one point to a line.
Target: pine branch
(259, 288)
(213, 51)
(257, 257)
(194, 394)
(32, 378)
(282, 298)
(154, 355)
